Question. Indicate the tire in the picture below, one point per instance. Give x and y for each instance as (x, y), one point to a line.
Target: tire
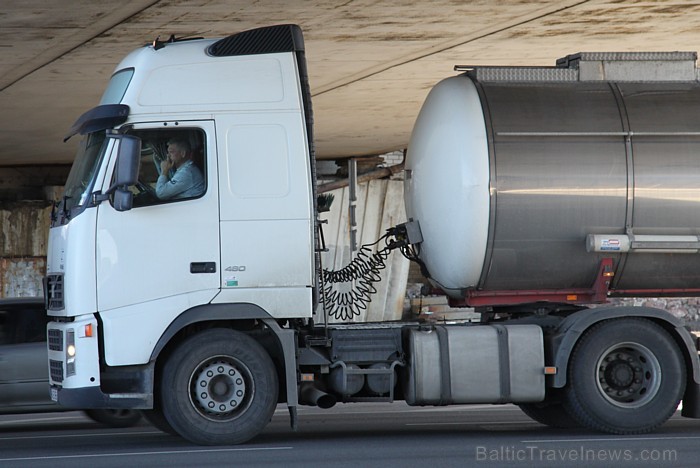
(550, 412)
(625, 376)
(219, 387)
(115, 418)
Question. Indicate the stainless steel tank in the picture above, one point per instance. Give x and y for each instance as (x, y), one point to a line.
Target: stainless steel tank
(525, 179)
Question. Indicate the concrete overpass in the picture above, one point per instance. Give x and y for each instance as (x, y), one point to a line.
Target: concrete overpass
(371, 64)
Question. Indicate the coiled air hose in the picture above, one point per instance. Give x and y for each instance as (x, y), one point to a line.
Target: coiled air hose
(362, 272)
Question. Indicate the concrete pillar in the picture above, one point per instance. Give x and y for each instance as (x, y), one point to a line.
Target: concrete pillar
(26, 194)
(24, 228)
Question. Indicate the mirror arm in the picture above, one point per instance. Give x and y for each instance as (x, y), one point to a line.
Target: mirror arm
(98, 197)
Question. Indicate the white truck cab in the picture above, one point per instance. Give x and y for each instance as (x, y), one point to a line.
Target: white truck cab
(127, 259)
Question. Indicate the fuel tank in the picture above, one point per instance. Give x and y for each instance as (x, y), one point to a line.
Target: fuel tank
(527, 178)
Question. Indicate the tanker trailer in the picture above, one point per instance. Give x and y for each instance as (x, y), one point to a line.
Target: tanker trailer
(542, 190)
(531, 179)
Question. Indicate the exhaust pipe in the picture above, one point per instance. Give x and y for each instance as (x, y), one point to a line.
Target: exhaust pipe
(311, 395)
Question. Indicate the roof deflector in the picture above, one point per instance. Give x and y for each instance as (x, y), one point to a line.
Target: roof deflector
(267, 40)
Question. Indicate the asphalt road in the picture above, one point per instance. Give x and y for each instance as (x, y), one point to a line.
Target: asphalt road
(351, 435)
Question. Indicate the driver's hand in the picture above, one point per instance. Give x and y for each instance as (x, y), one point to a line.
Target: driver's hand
(165, 166)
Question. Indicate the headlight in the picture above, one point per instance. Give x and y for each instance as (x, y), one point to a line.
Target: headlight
(70, 352)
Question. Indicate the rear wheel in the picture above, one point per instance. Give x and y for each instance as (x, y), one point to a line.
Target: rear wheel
(625, 376)
(219, 387)
(115, 418)
(157, 419)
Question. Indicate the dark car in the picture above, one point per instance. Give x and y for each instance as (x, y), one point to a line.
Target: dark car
(24, 375)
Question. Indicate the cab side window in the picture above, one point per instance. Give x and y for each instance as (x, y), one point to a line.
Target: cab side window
(173, 166)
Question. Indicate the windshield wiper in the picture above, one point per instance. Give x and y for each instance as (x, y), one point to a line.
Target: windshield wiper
(54, 203)
(65, 213)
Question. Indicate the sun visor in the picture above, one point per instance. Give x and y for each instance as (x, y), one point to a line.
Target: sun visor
(99, 118)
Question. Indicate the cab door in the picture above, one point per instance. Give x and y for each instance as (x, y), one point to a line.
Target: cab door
(162, 256)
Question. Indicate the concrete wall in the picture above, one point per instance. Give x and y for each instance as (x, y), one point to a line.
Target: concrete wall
(379, 207)
(24, 228)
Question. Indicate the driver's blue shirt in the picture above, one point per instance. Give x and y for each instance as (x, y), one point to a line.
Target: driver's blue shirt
(186, 182)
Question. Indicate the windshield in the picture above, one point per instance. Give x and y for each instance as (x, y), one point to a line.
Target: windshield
(81, 178)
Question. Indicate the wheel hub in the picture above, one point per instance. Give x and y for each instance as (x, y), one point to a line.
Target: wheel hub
(620, 374)
(219, 388)
(628, 375)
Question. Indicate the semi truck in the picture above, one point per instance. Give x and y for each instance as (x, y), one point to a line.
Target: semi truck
(533, 194)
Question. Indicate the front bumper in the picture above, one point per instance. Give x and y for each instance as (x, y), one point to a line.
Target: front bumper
(93, 397)
(76, 378)
(73, 351)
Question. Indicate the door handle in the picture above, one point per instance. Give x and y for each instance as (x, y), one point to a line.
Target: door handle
(203, 267)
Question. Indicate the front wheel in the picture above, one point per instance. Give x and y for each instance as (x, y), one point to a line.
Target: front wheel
(219, 387)
(625, 376)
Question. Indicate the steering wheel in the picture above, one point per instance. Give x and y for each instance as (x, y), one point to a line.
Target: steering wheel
(146, 194)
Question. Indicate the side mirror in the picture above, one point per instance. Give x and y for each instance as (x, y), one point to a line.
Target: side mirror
(123, 200)
(126, 171)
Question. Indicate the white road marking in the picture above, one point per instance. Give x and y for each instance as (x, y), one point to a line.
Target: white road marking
(608, 439)
(34, 420)
(127, 454)
(68, 436)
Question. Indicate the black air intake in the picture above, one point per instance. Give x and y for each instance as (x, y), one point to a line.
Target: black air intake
(267, 40)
